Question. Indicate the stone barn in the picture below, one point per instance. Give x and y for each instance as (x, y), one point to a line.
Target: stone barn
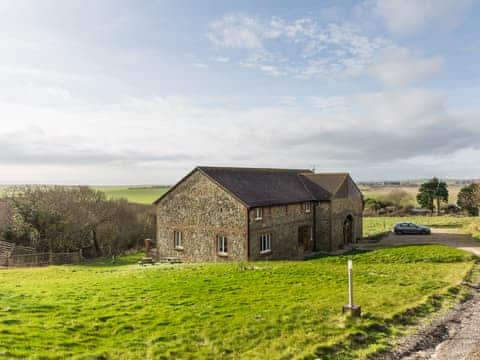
(222, 213)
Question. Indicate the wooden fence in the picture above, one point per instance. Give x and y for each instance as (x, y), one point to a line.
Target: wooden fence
(41, 259)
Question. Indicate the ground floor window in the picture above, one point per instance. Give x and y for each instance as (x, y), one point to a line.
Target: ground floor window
(222, 246)
(178, 239)
(265, 243)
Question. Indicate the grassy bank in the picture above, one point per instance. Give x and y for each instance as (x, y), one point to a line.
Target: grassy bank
(375, 226)
(260, 310)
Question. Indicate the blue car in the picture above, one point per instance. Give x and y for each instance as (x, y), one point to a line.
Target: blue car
(411, 229)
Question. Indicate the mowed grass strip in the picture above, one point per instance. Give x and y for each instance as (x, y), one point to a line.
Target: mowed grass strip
(231, 310)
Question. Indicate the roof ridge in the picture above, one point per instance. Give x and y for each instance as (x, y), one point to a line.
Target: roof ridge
(254, 168)
(332, 173)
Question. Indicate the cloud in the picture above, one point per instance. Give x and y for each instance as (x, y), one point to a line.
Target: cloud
(221, 59)
(331, 104)
(236, 31)
(357, 133)
(33, 146)
(398, 67)
(406, 17)
(200, 65)
(302, 48)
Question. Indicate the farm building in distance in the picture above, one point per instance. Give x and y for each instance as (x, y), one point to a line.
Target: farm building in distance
(219, 213)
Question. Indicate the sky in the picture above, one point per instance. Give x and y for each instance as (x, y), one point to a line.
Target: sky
(141, 92)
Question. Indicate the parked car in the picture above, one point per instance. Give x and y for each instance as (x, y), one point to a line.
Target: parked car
(411, 228)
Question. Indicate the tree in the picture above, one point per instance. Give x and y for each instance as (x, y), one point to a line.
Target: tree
(469, 199)
(58, 219)
(431, 192)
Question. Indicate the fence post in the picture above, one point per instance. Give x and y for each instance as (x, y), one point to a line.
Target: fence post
(354, 310)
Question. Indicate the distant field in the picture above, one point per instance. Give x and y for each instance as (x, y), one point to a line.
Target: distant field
(136, 194)
(373, 226)
(375, 192)
(262, 310)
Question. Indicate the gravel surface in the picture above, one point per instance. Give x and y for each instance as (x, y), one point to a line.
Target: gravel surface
(454, 336)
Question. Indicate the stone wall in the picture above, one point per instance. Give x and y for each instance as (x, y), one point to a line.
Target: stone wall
(322, 226)
(341, 208)
(201, 210)
(283, 223)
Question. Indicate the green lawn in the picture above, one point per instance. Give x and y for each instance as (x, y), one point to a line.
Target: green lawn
(136, 194)
(373, 226)
(233, 310)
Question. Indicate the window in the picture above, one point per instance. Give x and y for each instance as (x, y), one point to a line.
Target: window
(308, 207)
(265, 243)
(222, 245)
(258, 214)
(177, 240)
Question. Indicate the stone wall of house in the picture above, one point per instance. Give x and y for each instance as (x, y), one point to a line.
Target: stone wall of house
(322, 226)
(282, 223)
(341, 208)
(201, 210)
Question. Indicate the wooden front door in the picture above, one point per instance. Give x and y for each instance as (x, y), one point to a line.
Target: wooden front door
(348, 230)
(304, 235)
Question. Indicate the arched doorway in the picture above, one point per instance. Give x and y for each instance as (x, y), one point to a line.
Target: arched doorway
(348, 237)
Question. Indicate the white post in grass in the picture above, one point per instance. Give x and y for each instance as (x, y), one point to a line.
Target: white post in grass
(354, 310)
(350, 283)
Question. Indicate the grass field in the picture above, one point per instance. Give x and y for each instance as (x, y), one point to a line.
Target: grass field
(236, 310)
(136, 194)
(374, 226)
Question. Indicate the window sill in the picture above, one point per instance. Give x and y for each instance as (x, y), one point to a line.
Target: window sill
(178, 248)
(266, 252)
(222, 254)
(258, 219)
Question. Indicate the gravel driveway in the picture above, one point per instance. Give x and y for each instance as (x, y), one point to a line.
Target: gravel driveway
(450, 237)
(455, 336)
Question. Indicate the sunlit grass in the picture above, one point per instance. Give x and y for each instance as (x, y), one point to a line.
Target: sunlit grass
(141, 195)
(232, 310)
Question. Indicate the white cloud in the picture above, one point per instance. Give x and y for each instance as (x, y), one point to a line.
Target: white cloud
(405, 17)
(200, 65)
(236, 31)
(398, 67)
(329, 104)
(301, 48)
(221, 59)
(357, 133)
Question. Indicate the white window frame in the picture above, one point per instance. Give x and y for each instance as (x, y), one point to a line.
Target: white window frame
(177, 240)
(258, 213)
(265, 243)
(308, 207)
(222, 245)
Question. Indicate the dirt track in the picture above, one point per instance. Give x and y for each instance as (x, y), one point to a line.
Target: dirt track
(455, 336)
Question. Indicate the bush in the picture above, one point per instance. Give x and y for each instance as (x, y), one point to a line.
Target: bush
(58, 219)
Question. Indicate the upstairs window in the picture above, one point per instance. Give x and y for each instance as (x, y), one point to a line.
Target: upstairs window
(265, 243)
(258, 214)
(222, 246)
(308, 207)
(177, 240)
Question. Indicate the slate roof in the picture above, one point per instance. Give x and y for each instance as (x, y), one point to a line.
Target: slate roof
(264, 187)
(267, 187)
(330, 182)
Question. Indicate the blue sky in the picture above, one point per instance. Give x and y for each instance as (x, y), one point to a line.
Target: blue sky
(139, 92)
